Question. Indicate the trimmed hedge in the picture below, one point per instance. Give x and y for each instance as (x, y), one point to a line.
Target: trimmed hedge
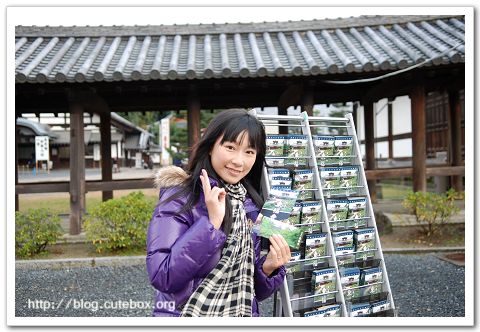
(34, 230)
(119, 223)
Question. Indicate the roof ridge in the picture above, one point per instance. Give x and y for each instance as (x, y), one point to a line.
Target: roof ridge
(218, 28)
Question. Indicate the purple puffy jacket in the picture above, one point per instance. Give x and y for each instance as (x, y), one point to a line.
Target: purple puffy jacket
(183, 248)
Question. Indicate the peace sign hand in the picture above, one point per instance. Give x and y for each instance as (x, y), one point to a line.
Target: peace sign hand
(214, 200)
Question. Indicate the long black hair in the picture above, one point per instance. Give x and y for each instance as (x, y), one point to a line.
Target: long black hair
(231, 125)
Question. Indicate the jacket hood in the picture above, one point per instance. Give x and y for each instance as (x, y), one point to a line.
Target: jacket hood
(169, 176)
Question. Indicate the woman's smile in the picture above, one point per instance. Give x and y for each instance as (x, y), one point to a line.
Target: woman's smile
(233, 171)
(233, 160)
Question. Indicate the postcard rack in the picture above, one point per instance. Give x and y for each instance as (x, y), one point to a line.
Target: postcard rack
(360, 285)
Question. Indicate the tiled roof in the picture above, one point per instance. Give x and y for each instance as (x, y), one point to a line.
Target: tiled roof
(39, 129)
(301, 48)
(137, 142)
(63, 137)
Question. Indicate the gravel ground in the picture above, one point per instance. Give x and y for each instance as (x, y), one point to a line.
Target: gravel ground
(426, 286)
(422, 286)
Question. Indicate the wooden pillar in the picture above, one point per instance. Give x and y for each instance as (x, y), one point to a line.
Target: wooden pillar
(17, 140)
(390, 128)
(193, 118)
(283, 130)
(291, 96)
(77, 168)
(308, 102)
(455, 118)
(419, 145)
(106, 152)
(370, 146)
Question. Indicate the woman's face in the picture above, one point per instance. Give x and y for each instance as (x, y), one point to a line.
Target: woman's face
(233, 160)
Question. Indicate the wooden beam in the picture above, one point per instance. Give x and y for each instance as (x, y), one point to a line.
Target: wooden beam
(58, 187)
(120, 184)
(77, 168)
(369, 118)
(308, 102)
(445, 170)
(137, 102)
(159, 97)
(385, 138)
(193, 118)
(455, 125)
(42, 187)
(419, 145)
(283, 130)
(51, 187)
(290, 96)
(387, 88)
(393, 173)
(106, 152)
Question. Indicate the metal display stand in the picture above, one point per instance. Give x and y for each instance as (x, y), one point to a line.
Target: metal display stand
(296, 296)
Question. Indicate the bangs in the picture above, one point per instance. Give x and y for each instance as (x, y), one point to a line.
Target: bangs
(235, 131)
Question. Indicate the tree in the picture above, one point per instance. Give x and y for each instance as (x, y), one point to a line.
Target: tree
(206, 117)
(339, 111)
(178, 138)
(144, 120)
(178, 134)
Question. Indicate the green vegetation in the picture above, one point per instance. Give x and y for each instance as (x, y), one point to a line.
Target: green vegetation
(291, 234)
(59, 203)
(431, 210)
(179, 134)
(34, 230)
(334, 110)
(178, 138)
(119, 223)
(145, 120)
(393, 191)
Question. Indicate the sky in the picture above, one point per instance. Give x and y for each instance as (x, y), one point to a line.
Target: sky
(148, 15)
(166, 15)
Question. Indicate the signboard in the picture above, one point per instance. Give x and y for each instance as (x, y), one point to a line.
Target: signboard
(138, 160)
(41, 148)
(96, 152)
(165, 140)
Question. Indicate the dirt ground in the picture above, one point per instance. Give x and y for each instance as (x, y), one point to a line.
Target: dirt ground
(450, 235)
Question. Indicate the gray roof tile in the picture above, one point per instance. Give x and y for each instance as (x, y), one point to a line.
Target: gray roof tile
(275, 49)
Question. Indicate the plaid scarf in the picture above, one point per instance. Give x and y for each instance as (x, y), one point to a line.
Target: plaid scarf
(228, 289)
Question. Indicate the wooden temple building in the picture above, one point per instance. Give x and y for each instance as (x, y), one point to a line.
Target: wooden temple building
(99, 70)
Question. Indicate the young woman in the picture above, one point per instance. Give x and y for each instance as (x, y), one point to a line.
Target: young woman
(202, 257)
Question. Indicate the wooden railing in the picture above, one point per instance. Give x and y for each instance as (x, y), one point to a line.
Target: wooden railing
(49, 187)
(408, 171)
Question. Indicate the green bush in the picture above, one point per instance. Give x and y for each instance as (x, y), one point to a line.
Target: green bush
(431, 210)
(119, 223)
(34, 230)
